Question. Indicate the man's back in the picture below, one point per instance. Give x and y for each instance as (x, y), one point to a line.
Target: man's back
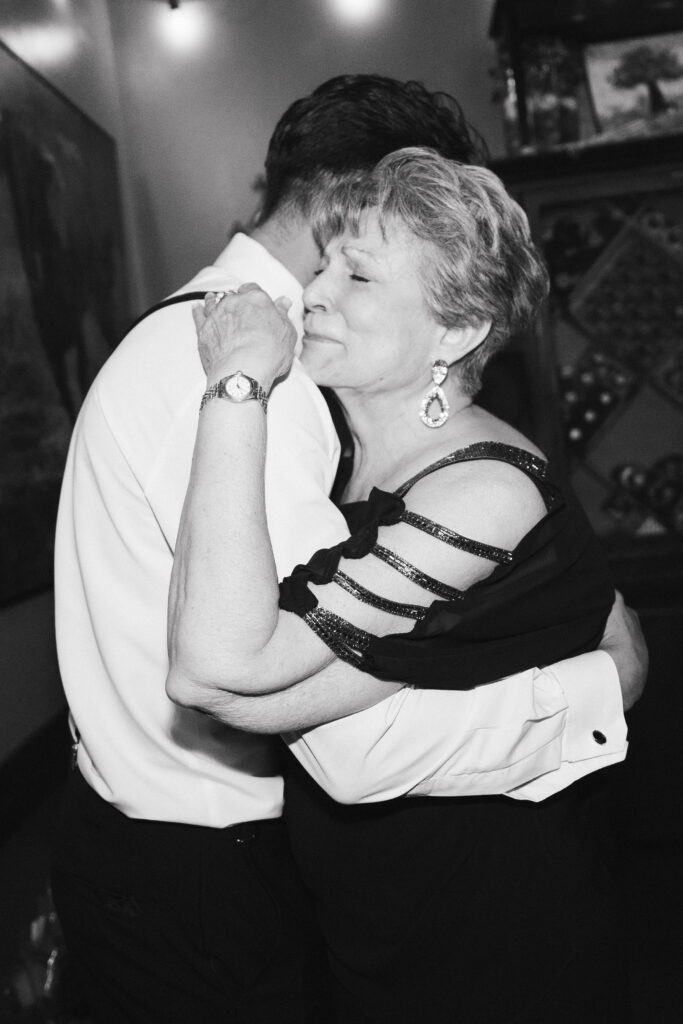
(122, 497)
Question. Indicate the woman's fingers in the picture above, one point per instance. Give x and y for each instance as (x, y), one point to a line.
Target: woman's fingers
(198, 315)
(245, 321)
(215, 300)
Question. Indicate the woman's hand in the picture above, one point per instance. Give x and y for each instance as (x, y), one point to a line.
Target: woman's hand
(245, 330)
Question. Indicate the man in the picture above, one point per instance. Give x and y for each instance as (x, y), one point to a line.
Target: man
(172, 876)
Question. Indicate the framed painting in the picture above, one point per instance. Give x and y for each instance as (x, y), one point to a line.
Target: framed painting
(636, 86)
(62, 303)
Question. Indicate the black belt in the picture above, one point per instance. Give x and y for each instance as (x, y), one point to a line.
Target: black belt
(240, 833)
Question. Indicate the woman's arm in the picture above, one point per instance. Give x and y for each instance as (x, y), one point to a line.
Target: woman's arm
(340, 690)
(335, 692)
(223, 602)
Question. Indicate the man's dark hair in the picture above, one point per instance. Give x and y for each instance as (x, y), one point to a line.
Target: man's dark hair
(348, 124)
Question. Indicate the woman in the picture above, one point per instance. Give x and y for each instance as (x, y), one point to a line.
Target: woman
(465, 563)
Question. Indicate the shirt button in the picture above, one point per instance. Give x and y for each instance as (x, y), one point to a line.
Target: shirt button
(599, 737)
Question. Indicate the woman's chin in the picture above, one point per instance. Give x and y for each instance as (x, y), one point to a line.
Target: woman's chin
(316, 369)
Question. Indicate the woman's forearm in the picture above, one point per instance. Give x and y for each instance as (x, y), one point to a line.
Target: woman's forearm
(335, 692)
(223, 603)
(225, 629)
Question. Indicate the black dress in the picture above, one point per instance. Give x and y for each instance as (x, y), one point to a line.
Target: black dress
(469, 910)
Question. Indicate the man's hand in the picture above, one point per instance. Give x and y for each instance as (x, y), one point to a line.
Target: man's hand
(623, 640)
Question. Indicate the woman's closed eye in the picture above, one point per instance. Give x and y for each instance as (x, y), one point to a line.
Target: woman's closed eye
(359, 277)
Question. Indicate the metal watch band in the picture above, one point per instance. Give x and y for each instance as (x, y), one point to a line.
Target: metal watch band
(217, 390)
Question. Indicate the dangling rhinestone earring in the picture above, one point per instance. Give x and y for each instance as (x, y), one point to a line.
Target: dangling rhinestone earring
(436, 394)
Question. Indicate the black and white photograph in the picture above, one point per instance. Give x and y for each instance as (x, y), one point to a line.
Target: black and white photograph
(341, 511)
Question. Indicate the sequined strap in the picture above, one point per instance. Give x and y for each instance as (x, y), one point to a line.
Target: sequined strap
(411, 572)
(456, 540)
(348, 642)
(532, 465)
(406, 611)
(345, 640)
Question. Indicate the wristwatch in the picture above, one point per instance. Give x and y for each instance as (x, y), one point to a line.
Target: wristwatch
(236, 387)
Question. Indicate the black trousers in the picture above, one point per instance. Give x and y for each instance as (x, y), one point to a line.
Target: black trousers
(179, 924)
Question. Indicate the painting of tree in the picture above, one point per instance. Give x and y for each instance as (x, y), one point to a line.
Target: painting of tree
(636, 86)
(648, 66)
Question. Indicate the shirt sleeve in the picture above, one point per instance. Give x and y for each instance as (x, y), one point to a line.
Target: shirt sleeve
(595, 735)
(526, 736)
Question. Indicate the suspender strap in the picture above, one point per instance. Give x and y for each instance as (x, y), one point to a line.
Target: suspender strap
(185, 297)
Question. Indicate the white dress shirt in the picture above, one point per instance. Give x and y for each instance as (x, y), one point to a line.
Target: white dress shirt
(123, 491)
(527, 736)
(122, 496)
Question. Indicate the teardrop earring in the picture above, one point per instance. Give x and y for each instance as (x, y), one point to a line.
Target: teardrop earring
(436, 394)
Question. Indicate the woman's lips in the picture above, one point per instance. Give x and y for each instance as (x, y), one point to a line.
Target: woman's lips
(312, 336)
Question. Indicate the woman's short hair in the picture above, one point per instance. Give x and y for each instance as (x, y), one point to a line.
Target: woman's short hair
(480, 263)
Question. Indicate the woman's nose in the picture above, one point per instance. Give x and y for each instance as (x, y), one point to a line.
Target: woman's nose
(316, 293)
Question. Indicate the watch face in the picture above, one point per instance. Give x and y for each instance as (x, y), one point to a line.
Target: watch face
(238, 387)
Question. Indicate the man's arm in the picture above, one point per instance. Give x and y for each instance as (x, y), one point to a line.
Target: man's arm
(535, 730)
(529, 735)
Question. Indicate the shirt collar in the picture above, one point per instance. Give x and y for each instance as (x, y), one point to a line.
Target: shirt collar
(250, 261)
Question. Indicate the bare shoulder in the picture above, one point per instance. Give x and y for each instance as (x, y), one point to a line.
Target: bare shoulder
(491, 428)
(486, 500)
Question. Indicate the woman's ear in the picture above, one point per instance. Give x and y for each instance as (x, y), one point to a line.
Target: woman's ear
(458, 342)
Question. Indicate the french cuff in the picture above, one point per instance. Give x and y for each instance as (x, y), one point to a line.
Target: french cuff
(595, 733)
(595, 725)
